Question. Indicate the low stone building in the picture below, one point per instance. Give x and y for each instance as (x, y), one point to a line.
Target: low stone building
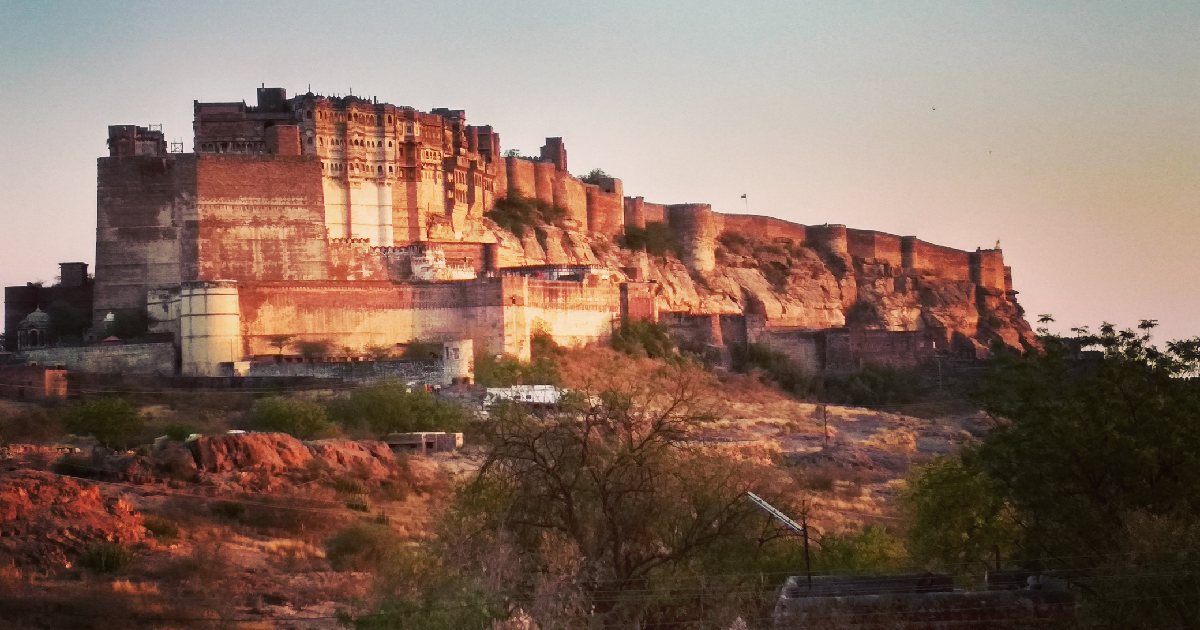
(32, 382)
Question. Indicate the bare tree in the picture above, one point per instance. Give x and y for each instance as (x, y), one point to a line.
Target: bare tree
(613, 477)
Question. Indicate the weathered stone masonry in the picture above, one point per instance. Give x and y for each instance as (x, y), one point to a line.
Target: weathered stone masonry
(361, 223)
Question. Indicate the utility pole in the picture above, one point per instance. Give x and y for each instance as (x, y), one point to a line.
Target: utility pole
(825, 422)
(807, 560)
(798, 528)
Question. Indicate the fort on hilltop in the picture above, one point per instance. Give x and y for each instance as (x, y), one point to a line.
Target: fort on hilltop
(363, 224)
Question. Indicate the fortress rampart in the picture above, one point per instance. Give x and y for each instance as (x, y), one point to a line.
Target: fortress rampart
(698, 229)
(361, 223)
(499, 314)
(766, 228)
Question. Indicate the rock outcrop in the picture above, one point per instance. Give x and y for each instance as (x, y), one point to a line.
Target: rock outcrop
(46, 520)
(798, 284)
(276, 453)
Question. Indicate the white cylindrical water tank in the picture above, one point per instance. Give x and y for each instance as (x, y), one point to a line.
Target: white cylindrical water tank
(210, 327)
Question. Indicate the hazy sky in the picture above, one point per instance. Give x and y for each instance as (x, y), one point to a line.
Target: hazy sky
(1070, 131)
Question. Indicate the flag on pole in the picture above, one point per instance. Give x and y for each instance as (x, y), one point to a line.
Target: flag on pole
(743, 195)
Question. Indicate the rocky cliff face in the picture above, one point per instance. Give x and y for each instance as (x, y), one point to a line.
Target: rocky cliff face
(796, 285)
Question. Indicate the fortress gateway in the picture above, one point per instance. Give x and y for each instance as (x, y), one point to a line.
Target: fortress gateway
(358, 224)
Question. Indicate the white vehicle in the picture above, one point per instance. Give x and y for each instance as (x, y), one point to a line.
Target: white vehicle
(528, 394)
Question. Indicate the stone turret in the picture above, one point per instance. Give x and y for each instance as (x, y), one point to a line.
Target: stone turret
(697, 228)
(555, 152)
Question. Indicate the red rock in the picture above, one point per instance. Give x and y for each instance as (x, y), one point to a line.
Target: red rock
(46, 520)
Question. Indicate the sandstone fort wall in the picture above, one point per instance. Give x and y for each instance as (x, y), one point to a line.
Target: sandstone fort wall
(361, 314)
(766, 228)
(143, 204)
(154, 359)
(944, 262)
(497, 314)
(260, 217)
(868, 244)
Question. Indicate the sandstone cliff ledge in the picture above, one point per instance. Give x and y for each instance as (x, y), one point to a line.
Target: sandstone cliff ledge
(805, 277)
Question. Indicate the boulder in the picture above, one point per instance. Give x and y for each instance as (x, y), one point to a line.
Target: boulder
(268, 452)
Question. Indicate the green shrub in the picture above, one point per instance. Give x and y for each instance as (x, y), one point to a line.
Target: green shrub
(295, 416)
(390, 407)
(863, 314)
(362, 547)
(179, 432)
(112, 421)
(776, 366)
(876, 385)
(735, 242)
(162, 528)
(594, 176)
(422, 350)
(776, 273)
(347, 485)
(129, 324)
(32, 426)
(106, 557)
(518, 214)
(870, 550)
(313, 348)
(656, 239)
(227, 509)
(641, 338)
(507, 371)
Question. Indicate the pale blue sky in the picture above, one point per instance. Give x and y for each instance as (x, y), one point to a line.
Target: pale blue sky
(1068, 130)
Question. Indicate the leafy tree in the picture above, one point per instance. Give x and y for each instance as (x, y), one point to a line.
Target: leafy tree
(279, 342)
(295, 416)
(390, 407)
(1088, 449)
(505, 371)
(594, 176)
(872, 549)
(961, 521)
(129, 324)
(313, 348)
(114, 422)
(66, 322)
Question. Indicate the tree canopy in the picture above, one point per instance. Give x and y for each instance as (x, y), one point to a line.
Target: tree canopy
(602, 514)
(1096, 444)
